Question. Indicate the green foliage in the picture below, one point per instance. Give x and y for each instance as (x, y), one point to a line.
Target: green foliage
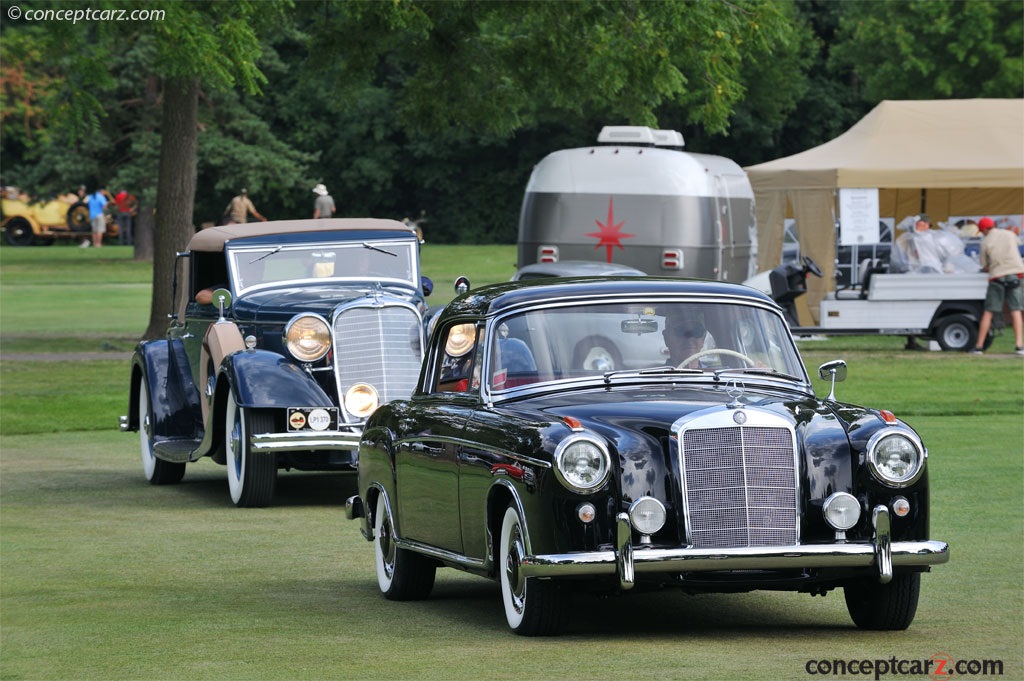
(923, 49)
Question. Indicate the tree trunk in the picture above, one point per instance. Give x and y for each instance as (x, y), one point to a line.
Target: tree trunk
(175, 195)
(142, 234)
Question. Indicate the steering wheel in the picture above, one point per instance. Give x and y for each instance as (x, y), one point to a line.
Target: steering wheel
(715, 351)
(811, 266)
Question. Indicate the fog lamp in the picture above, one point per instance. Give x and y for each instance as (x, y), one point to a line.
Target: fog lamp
(842, 511)
(360, 400)
(647, 515)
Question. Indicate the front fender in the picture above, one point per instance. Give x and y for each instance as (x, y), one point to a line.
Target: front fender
(263, 379)
(173, 397)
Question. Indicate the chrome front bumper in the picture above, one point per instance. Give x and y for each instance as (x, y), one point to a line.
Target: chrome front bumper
(305, 440)
(628, 559)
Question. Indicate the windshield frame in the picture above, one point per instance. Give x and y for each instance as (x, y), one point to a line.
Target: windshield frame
(790, 368)
(288, 255)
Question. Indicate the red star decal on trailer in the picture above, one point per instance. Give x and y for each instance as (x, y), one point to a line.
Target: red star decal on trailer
(609, 235)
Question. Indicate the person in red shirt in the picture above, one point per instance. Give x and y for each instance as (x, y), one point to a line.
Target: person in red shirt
(126, 207)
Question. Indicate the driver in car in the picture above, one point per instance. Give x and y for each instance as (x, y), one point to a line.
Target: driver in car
(685, 335)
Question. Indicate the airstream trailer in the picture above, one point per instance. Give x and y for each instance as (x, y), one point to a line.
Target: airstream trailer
(637, 199)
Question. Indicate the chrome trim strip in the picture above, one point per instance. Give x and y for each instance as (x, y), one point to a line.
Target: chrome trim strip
(644, 559)
(300, 441)
(440, 554)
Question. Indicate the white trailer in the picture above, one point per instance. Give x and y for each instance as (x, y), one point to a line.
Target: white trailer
(945, 308)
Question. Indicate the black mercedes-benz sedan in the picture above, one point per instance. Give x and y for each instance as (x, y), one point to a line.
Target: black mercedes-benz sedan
(633, 432)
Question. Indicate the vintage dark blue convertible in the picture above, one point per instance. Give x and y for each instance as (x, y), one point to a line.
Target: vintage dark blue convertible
(287, 335)
(613, 433)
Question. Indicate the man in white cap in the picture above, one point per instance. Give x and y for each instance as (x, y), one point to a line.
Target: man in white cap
(323, 207)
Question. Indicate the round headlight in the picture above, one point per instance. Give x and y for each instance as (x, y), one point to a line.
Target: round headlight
(307, 337)
(647, 515)
(896, 459)
(581, 463)
(361, 399)
(842, 511)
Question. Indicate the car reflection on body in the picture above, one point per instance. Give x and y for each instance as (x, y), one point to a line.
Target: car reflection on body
(716, 472)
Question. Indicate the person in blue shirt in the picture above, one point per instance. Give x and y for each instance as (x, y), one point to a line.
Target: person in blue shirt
(97, 217)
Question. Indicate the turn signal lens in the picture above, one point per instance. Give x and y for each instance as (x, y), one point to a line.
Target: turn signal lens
(308, 337)
(361, 400)
(900, 507)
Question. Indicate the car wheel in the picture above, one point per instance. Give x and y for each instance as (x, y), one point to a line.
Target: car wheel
(78, 218)
(533, 607)
(884, 607)
(956, 332)
(18, 232)
(401, 574)
(252, 476)
(158, 471)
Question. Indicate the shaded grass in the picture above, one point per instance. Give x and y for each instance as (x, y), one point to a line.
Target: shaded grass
(107, 577)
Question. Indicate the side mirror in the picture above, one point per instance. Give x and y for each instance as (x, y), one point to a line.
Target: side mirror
(222, 299)
(834, 371)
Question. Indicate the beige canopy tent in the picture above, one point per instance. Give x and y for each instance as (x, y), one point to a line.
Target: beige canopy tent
(941, 157)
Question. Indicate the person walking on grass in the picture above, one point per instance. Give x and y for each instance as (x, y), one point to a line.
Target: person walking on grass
(97, 216)
(1000, 258)
(239, 208)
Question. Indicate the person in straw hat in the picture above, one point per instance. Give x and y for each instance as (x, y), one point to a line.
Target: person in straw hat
(323, 207)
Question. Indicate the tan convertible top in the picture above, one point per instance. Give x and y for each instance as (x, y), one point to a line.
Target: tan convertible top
(212, 239)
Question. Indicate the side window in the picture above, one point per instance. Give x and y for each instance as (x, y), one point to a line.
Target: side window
(458, 368)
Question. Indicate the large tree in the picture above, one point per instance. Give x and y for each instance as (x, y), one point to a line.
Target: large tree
(932, 49)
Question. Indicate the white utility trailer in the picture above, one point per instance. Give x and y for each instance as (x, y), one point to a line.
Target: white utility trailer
(945, 308)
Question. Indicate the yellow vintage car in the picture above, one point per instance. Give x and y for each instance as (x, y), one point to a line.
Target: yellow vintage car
(26, 223)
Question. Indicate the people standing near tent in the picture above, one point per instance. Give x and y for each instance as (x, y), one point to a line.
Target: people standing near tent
(1000, 257)
(323, 207)
(240, 207)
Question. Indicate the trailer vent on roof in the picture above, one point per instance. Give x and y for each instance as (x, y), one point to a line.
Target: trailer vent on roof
(640, 135)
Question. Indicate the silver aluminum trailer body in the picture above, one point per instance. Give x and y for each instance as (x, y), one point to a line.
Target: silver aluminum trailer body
(661, 210)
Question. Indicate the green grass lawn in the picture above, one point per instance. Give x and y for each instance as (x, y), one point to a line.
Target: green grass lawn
(103, 576)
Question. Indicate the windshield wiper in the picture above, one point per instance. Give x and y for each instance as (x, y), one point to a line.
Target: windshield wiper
(652, 370)
(266, 255)
(775, 373)
(379, 250)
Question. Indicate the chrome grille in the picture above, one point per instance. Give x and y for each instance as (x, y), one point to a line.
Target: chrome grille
(380, 346)
(739, 486)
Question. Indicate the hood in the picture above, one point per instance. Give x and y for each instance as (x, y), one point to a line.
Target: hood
(637, 422)
(281, 304)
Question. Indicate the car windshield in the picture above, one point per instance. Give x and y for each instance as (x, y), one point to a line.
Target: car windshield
(561, 342)
(383, 261)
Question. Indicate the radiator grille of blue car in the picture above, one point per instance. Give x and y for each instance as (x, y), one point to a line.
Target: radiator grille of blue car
(740, 487)
(380, 346)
